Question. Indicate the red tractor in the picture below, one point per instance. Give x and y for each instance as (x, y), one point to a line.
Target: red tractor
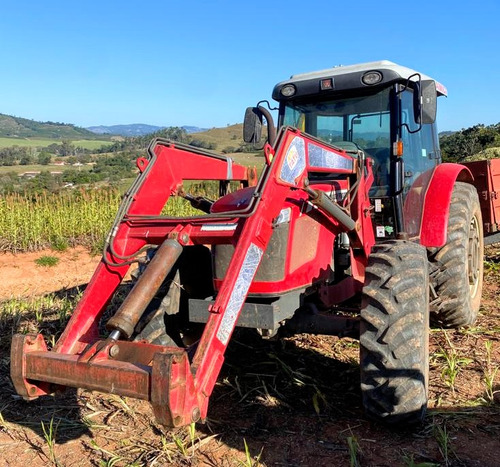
(354, 228)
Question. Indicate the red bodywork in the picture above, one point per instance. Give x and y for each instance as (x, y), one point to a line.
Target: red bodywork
(177, 386)
(437, 203)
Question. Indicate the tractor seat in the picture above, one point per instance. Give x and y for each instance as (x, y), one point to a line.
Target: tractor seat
(236, 201)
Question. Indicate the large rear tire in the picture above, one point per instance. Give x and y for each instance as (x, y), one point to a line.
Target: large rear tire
(458, 266)
(394, 333)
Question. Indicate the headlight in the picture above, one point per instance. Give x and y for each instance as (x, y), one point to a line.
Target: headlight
(371, 77)
(288, 90)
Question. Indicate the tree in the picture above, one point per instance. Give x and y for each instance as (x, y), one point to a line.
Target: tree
(67, 148)
(44, 158)
(25, 160)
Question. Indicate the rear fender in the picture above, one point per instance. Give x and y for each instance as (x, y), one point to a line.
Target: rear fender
(437, 201)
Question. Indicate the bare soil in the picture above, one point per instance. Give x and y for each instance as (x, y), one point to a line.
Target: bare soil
(20, 276)
(295, 401)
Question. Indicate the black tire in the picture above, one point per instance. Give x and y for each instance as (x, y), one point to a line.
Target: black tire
(159, 324)
(394, 333)
(457, 277)
(166, 319)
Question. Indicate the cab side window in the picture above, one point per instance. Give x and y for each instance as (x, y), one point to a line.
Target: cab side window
(420, 151)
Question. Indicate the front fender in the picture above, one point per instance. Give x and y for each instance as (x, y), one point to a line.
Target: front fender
(434, 227)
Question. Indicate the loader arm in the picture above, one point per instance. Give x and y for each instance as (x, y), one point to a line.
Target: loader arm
(177, 385)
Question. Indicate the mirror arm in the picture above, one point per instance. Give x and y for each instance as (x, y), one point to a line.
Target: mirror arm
(411, 131)
(271, 128)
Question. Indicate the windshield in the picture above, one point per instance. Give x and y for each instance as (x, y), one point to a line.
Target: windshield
(364, 121)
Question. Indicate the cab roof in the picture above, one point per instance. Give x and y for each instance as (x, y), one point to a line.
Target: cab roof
(345, 78)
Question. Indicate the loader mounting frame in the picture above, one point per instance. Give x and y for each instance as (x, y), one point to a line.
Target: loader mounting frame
(178, 382)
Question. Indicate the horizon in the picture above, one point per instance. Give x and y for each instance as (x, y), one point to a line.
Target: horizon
(104, 63)
(193, 126)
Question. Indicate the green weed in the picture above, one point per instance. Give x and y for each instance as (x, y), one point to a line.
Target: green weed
(489, 373)
(444, 443)
(409, 461)
(47, 261)
(49, 434)
(251, 461)
(354, 451)
(452, 363)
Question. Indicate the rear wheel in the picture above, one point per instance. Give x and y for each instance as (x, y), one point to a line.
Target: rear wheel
(457, 279)
(394, 348)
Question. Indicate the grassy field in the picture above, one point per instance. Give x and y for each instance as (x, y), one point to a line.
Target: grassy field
(229, 136)
(29, 223)
(41, 143)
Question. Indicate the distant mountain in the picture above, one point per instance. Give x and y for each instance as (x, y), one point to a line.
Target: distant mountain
(135, 129)
(193, 129)
(16, 127)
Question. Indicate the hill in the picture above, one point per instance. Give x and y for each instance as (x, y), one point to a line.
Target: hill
(16, 127)
(135, 129)
(227, 139)
(131, 130)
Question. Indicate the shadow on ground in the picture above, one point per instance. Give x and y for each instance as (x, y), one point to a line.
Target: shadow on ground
(296, 401)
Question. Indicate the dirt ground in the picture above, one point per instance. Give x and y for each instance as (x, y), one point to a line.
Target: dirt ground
(22, 277)
(292, 402)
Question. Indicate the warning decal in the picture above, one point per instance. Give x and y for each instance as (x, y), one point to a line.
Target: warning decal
(245, 278)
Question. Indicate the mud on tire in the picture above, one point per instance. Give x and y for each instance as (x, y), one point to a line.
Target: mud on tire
(457, 276)
(394, 339)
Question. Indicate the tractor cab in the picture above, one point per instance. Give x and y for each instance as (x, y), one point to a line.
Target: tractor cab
(384, 110)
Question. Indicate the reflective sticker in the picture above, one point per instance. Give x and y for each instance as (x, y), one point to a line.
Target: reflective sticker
(295, 161)
(292, 157)
(218, 227)
(380, 231)
(245, 278)
(320, 157)
(284, 216)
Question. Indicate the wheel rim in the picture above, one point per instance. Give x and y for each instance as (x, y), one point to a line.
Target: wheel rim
(474, 254)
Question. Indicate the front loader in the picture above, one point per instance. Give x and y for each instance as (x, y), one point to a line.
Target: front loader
(346, 233)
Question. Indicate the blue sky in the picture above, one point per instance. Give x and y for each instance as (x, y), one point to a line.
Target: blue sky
(200, 63)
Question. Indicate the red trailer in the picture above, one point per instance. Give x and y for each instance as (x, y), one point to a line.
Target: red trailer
(487, 182)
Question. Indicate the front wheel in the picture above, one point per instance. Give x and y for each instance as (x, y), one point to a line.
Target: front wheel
(394, 339)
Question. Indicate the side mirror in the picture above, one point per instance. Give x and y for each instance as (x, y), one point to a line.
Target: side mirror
(252, 125)
(425, 101)
(429, 101)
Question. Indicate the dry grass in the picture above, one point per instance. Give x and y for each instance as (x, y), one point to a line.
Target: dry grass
(34, 222)
(290, 402)
(294, 401)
